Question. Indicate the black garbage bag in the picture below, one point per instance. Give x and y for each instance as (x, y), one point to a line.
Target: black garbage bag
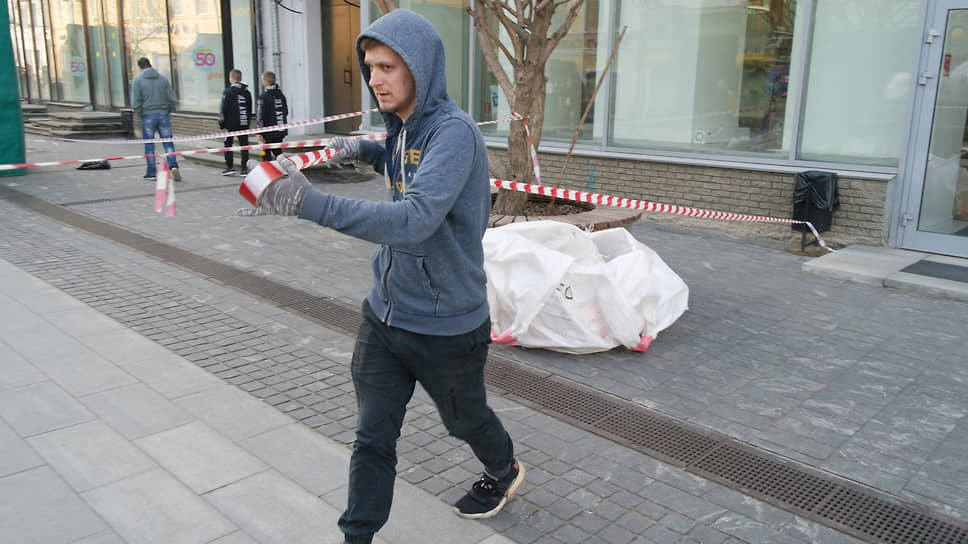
(815, 198)
(95, 165)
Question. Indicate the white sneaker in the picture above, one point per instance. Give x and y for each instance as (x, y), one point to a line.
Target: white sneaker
(175, 173)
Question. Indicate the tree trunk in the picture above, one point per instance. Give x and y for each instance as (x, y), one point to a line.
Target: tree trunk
(528, 101)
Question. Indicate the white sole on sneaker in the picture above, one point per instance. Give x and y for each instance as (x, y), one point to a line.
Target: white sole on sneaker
(512, 489)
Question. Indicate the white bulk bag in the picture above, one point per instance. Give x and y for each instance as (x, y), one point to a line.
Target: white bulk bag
(552, 285)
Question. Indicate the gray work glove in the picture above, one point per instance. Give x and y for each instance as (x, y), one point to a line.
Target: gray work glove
(348, 150)
(283, 196)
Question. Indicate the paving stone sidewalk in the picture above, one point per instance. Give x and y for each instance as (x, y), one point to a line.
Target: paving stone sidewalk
(867, 383)
(107, 436)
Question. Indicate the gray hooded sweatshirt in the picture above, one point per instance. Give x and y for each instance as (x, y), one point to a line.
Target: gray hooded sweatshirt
(429, 270)
(151, 93)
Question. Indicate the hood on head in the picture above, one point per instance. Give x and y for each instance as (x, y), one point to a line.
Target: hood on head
(417, 42)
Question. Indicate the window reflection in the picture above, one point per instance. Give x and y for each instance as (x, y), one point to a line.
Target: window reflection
(146, 35)
(860, 80)
(70, 56)
(714, 78)
(196, 43)
(41, 41)
(572, 70)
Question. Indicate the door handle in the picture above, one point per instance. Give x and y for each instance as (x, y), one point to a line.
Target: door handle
(347, 77)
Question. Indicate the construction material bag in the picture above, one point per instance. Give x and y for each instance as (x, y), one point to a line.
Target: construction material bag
(552, 285)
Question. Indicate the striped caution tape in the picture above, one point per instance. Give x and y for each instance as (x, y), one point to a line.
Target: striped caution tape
(216, 135)
(534, 154)
(283, 145)
(165, 191)
(645, 205)
(267, 172)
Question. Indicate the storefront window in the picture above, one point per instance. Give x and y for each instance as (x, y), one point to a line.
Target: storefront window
(19, 60)
(854, 109)
(146, 35)
(70, 52)
(99, 59)
(196, 43)
(41, 44)
(573, 71)
(113, 54)
(453, 24)
(242, 58)
(704, 79)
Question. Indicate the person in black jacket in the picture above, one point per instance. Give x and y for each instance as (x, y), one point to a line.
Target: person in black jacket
(235, 114)
(273, 110)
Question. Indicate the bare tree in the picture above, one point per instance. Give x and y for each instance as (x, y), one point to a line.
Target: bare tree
(530, 42)
(385, 6)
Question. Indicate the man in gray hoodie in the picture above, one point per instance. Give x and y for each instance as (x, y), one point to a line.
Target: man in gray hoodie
(152, 98)
(426, 318)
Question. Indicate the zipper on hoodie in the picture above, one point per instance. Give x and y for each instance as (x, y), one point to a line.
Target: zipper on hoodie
(401, 146)
(386, 285)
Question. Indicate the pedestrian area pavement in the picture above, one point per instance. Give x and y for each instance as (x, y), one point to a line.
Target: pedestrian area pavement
(839, 377)
(99, 446)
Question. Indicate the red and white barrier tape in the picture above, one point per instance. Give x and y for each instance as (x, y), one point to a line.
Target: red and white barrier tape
(165, 191)
(534, 153)
(267, 172)
(283, 145)
(218, 135)
(645, 205)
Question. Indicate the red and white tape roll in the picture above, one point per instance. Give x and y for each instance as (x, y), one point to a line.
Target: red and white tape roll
(260, 177)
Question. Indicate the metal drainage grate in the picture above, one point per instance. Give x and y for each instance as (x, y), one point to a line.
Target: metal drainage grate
(660, 437)
(327, 311)
(825, 498)
(504, 375)
(560, 396)
(765, 477)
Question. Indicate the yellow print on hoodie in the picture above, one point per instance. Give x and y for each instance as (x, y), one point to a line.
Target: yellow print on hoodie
(410, 156)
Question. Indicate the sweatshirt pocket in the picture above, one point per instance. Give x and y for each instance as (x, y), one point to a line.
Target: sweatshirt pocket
(410, 287)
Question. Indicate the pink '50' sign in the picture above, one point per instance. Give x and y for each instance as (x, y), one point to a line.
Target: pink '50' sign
(204, 59)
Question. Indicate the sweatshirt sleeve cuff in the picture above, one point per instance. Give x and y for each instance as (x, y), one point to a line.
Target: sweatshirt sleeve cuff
(313, 205)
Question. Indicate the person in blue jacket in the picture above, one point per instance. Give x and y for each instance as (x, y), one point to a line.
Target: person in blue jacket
(426, 318)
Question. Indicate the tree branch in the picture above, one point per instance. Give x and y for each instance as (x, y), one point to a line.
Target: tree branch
(385, 6)
(489, 50)
(514, 28)
(563, 29)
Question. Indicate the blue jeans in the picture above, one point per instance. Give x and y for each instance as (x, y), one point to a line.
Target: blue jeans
(158, 122)
(387, 363)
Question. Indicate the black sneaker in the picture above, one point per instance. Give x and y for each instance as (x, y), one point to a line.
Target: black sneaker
(228, 172)
(489, 495)
(146, 177)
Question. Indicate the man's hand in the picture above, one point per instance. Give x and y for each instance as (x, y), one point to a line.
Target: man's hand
(348, 149)
(283, 196)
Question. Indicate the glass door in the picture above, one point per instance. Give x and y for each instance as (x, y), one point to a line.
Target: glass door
(935, 218)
